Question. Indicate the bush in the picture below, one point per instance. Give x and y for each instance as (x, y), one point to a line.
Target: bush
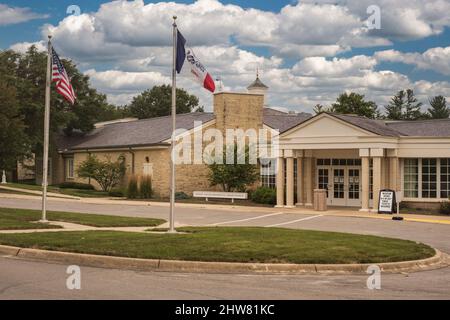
(181, 196)
(264, 195)
(445, 208)
(76, 185)
(146, 191)
(117, 193)
(132, 191)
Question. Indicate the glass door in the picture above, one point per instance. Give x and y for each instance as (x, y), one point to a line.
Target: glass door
(323, 181)
(338, 187)
(354, 188)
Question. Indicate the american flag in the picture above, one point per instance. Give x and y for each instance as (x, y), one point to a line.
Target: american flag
(59, 75)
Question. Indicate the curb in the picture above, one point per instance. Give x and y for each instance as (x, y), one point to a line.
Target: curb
(439, 260)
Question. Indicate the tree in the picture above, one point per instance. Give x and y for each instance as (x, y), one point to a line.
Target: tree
(157, 102)
(14, 143)
(404, 106)
(355, 103)
(438, 108)
(107, 173)
(319, 108)
(27, 73)
(233, 176)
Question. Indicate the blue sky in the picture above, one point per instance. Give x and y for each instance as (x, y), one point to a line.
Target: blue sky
(307, 52)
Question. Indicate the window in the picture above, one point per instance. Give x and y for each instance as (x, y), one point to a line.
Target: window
(429, 178)
(411, 178)
(70, 169)
(445, 178)
(267, 173)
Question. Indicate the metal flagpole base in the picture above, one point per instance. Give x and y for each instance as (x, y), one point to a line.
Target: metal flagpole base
(43, 221)
(172, 231)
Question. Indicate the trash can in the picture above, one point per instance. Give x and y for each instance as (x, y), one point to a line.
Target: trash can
(320, 199)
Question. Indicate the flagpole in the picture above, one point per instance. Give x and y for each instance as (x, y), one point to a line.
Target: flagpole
(172, 145)
(46, 132)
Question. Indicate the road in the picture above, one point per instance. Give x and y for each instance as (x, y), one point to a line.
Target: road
(20, 279)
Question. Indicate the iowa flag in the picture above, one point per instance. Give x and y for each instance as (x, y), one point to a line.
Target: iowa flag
(197, 69)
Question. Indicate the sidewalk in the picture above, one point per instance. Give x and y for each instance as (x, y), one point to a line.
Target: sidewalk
(39, 193)
(344, 212)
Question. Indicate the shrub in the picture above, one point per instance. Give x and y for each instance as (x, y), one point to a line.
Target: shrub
(445, 208)
(181, 195)
(132, 191)
(107, 173)
(76, 185)
(146, 187)
(117, 193)
(264, 195)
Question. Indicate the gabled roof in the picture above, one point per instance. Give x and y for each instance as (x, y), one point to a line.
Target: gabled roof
(375, 126)
(145, 132)
(282, 121)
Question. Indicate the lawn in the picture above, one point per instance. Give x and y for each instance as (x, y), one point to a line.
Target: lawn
(14, 219)
(230, 244)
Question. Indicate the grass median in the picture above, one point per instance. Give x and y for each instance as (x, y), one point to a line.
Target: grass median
(17, 219)
(230, 244)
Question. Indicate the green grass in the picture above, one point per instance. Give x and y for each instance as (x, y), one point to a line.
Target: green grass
(26, 219)
(237, 244)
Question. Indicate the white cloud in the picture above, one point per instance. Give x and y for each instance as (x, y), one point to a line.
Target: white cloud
(14, 15)
(22, 47)
(436, 59)
(319, 66)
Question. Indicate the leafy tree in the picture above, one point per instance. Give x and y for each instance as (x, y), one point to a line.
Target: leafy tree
(438, 108)
(27, 72)
(107, 173)
(157, 102)
(14, 143)
(355, 103)
(233, 176)
(404, 106)
(319, 108)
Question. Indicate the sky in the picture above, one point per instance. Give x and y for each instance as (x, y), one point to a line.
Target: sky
(307, 52)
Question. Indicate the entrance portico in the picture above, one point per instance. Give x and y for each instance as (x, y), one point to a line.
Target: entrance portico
(351, 163)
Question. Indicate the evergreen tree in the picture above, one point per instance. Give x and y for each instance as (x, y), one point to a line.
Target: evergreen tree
(438, 108)
(404, 106)
(355, 103)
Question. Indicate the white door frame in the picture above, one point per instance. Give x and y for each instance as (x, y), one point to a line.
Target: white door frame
(345, 201)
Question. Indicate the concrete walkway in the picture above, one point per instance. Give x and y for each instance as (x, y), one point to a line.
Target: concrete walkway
(38, 192)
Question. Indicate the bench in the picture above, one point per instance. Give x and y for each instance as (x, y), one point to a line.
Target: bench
(220, 195)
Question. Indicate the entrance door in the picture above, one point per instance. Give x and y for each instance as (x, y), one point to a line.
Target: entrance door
(353, 182)
(323, 180)
(338, 193)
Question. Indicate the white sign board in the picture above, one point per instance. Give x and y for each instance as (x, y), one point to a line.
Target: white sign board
(387, 201)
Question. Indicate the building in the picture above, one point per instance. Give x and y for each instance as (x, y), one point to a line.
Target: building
(350, 156)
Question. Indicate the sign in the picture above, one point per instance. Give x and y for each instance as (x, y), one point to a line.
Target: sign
(387, 203)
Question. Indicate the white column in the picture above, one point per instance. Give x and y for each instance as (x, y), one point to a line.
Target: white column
(308, 178)
(280, 181)
(300, 185)
(365, 179)
(377, 155)
(289, 179)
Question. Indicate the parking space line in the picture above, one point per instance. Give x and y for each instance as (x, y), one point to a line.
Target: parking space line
(248, 219)
(293, 221)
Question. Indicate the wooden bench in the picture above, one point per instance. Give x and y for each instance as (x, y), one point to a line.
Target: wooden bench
(220, 195)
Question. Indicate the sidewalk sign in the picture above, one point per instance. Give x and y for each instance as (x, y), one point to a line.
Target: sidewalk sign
(387, 203)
